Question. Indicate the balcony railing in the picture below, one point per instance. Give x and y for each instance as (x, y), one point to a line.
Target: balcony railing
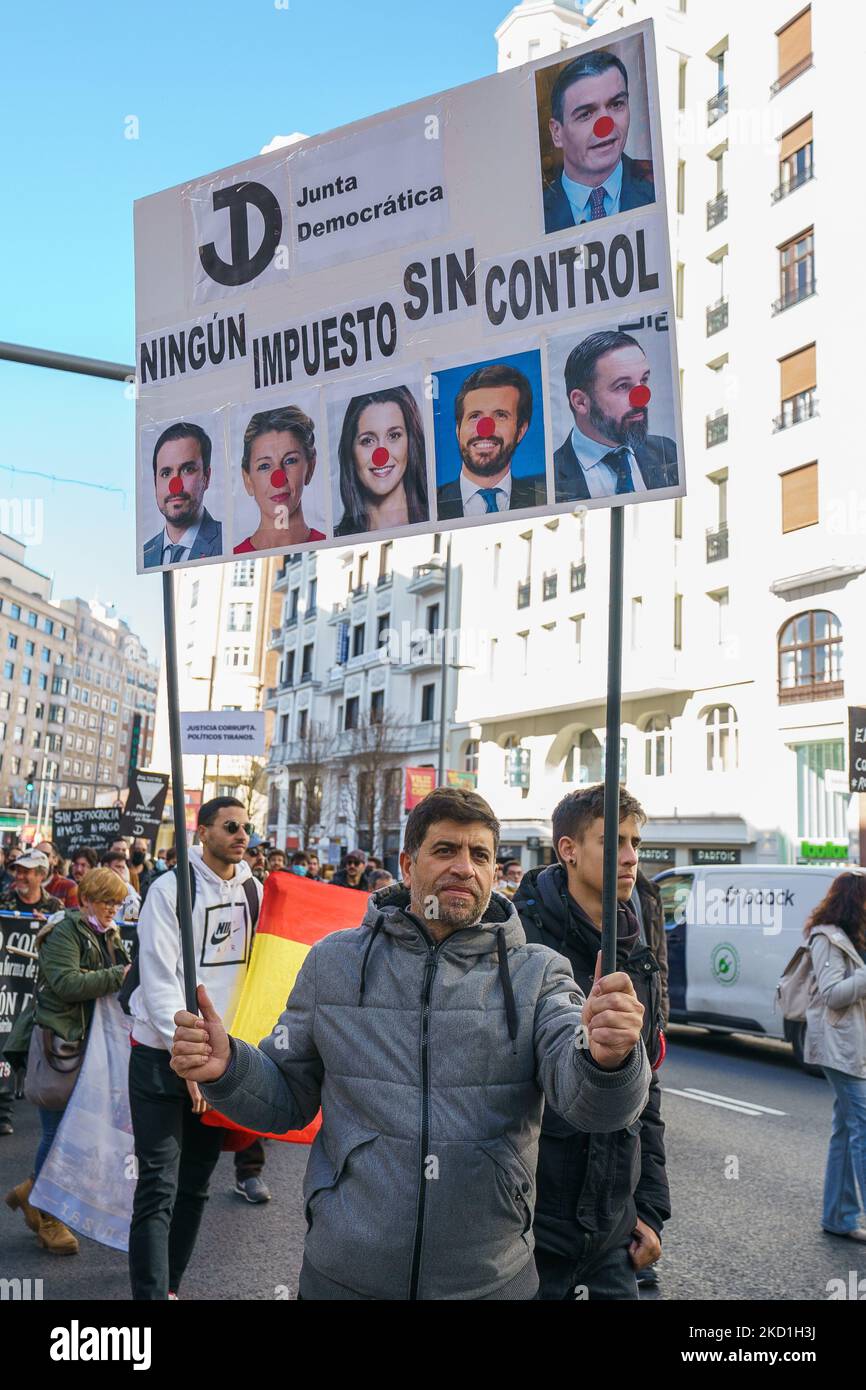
(802, 176)
(717, 429)
(796, 410)
(717, 210)
(717, 543)
(549, 585)
(793, 294)
(578, 576)
(786, 77)
(524, 593)
(384, 580)
(717, 317)
(360, 590)
(717, 106)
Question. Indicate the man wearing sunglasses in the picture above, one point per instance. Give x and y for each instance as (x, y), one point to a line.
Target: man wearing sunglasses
(176, 1153)
(352, 872)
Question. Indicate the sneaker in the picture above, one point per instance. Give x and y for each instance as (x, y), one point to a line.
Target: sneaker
(172, 1297)
(5, 1127)
(54, 1236)
(254, 1189)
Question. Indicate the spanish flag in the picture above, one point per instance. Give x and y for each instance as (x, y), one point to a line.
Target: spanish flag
(296, 913)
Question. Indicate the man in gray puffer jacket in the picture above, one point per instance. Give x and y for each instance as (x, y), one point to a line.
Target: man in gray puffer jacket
(430, 1036)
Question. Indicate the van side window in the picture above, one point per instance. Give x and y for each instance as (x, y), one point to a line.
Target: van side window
(675, 891)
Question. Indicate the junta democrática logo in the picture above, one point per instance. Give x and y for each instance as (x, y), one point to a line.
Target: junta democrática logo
(725, 963)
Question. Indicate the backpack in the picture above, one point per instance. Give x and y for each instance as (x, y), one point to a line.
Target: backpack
(797, 986)
(133, 975)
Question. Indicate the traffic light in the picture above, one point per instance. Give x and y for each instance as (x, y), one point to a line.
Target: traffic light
(29, 784)
(134, 745)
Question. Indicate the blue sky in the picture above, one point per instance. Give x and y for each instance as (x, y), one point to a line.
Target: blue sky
(210, 84)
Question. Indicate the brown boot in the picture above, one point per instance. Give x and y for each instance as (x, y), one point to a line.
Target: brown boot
(18, 1200)
(54, 1236)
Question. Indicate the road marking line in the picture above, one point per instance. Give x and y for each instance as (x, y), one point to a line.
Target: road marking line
(704, 1100)
(735, 1100)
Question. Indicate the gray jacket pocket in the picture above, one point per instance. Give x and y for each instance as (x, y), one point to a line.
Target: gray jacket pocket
(325, 1169)
(515, 1182)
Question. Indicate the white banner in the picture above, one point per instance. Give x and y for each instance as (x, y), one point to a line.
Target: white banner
(88, 1179)
(238, 733)
(450, 313)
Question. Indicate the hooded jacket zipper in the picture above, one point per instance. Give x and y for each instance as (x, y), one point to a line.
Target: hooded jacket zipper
(429, 972)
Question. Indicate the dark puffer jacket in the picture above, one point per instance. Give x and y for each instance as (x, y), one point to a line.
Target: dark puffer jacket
(591, 1187)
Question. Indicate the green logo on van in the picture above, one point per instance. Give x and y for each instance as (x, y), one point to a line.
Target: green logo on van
(725, 963)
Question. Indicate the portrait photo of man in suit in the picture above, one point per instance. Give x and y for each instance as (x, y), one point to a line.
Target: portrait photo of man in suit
(609, 450)
(590, 116)
(181, 477)
(492, 414)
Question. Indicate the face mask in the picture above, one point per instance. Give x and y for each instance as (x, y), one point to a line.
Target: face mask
(299, 869)
(138, 858)
(97, 925)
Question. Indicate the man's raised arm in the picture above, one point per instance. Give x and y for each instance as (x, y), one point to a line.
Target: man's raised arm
(270, 1089)
(590, 1060)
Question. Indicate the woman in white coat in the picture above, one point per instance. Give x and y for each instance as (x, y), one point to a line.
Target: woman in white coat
(836, 1042)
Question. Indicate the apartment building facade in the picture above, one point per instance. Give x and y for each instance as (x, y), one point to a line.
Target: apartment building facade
(742, 601)
(357, 697)
(111, 694)
(225, 615)
(77, 699)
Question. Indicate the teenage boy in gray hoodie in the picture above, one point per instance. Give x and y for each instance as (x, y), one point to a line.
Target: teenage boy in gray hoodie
(431, 1036)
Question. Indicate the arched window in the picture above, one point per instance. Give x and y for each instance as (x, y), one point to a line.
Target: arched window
(470, 756)
(585, 760)
(723, 753)
(657, 746)
(810, 658)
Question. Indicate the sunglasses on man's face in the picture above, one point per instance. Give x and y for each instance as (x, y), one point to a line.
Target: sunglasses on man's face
(233, 826)
(356, 863)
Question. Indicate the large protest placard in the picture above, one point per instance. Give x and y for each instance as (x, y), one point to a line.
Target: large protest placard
(96, 826)
(452, 312)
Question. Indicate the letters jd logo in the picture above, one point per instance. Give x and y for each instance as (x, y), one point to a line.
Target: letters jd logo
(243, 267)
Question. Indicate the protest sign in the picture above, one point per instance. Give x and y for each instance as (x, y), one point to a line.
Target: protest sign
(440, 314)
(96, 826)
(238, 733)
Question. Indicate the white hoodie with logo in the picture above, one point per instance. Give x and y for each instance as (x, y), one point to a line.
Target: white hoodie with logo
(222, 933)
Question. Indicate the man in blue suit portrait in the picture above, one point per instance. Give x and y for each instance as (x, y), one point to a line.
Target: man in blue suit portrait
(589, 123)
(181, 477)
(609, 450)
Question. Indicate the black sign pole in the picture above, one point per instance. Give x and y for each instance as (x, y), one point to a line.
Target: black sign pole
(611, 745)
(184, 901)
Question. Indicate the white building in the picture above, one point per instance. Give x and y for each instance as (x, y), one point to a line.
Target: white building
(742, 602)
(357, 698)
(224, 618)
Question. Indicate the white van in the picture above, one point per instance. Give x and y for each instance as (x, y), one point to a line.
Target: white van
(731, 930)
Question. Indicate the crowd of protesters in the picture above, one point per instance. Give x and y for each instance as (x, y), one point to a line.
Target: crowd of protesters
(538, 1097)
